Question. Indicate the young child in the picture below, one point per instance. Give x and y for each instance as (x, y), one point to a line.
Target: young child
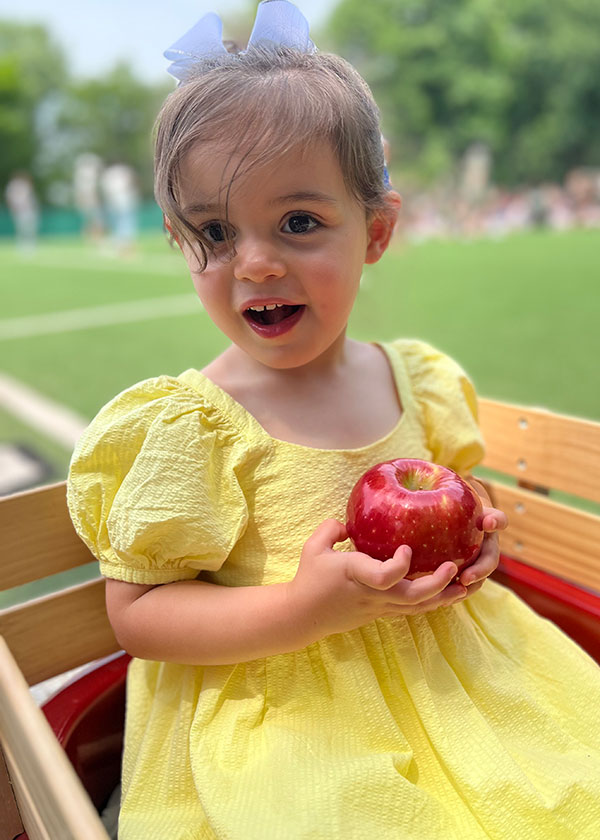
(285, 685)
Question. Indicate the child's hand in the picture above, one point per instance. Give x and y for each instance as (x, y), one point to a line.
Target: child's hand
(474, 576)
(337, 591)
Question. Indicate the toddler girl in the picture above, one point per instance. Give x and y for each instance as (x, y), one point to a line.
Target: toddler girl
(285, 686)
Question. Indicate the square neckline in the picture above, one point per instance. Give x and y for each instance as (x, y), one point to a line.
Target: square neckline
(244, 420)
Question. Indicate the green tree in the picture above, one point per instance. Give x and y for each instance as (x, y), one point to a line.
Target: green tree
(47, 118)
(113, 117)
(520, 76)
(554, 111)
(32, 68)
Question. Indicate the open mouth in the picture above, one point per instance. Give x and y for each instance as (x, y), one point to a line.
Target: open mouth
(271, 314)
(273, 319)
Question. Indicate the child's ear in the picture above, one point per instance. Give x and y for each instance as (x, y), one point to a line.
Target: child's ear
(381, 227)
(168, 226)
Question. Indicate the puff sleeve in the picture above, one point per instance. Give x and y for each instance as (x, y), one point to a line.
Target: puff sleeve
(153, 488)
(446, 399)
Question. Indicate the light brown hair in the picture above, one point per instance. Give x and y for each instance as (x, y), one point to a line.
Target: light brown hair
(264, 103)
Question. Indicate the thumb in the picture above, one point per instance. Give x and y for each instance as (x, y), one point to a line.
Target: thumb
(325, 536)
(403, 552)
(401, 559)
(379, 574)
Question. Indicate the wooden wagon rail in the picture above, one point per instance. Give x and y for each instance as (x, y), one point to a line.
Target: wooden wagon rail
(543, 452)
(551, 558)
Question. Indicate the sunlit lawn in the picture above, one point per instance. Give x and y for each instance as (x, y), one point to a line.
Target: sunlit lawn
(520, 314)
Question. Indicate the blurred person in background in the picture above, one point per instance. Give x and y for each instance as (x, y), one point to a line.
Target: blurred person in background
(23, 207)
(119, 188)
(86, 194)
(582, 186)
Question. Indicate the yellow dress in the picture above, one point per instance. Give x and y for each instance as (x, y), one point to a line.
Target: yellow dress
(475, 721)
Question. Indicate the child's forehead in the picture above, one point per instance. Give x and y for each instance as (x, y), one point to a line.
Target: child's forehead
(268, 148)
(212, 174)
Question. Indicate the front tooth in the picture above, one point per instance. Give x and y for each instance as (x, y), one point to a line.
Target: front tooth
(257, 308)
(270, 306)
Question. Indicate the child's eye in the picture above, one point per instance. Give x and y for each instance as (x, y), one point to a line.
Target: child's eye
(216, 232)
(300, 223)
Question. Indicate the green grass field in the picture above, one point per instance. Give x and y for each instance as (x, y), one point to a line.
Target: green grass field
(520, 314)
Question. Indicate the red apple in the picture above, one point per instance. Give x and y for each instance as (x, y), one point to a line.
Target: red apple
(416, 503)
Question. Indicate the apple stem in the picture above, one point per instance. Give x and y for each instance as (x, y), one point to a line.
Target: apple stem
(415, 481)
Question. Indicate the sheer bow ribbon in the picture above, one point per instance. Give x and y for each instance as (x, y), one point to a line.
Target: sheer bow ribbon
(278, 24)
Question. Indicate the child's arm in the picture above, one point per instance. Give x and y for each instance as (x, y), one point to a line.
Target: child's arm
(198, 623)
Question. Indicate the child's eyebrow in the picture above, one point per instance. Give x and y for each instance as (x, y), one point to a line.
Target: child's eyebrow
(302, 195)
(202, 207)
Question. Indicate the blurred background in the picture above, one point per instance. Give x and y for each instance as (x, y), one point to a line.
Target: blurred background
(491, 112)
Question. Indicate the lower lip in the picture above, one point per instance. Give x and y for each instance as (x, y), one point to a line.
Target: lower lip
(275, 330)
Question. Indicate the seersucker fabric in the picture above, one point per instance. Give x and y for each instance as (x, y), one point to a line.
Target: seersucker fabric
(478, 721)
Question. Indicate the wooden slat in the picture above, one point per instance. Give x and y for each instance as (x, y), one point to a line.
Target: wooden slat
(52, 801)
(51, 635)
(551, 450)
(38, 538)
(551, 536)
(10, 819)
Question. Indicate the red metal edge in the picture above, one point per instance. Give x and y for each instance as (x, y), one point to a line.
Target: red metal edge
(65, 708)
(579, 598)
(574, 609)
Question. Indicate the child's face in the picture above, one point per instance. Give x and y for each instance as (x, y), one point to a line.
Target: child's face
(300, 240)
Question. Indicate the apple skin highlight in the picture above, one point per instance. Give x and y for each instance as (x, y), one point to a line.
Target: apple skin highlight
(412, 502)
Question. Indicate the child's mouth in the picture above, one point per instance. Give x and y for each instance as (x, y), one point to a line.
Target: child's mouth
(274, 318)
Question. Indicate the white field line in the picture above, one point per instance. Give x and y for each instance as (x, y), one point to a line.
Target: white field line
(158, 264)
(98, 316)
(53, 420)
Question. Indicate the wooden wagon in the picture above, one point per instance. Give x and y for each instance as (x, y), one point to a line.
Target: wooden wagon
(59, 764)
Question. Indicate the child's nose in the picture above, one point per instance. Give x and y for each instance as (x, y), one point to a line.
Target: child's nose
(257, 260)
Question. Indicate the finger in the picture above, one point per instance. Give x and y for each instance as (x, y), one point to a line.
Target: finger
(325, 536)
(485, 564)
(427, 586)
(474, 587)
(493, 519)
(454, 593)
(381, 575)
